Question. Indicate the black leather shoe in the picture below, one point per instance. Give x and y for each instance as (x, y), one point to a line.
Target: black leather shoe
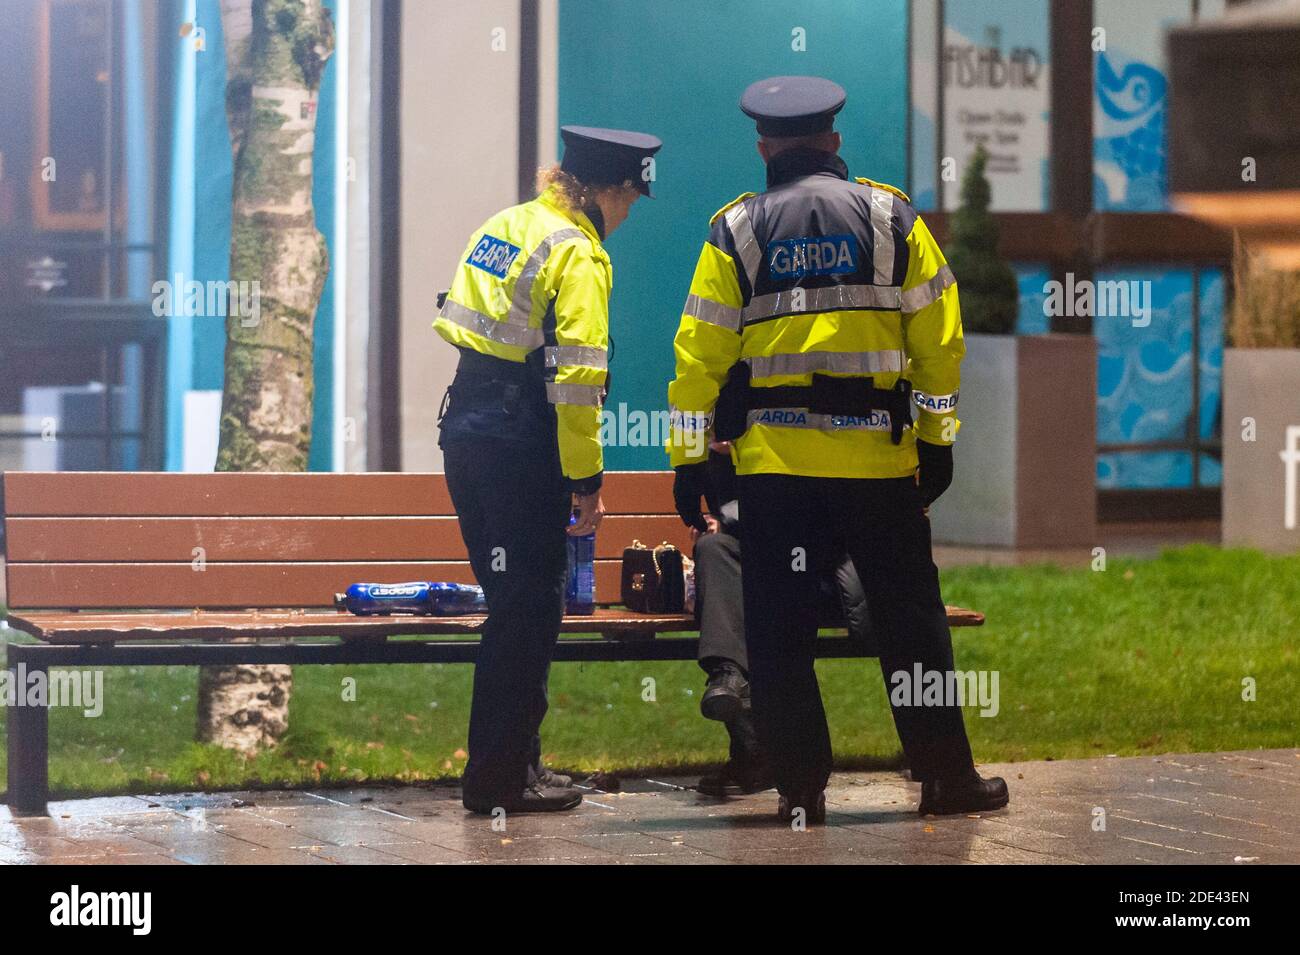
(549, 780)
(532, 799)
(725, 694)
(814, 807)
(947, 797)
(736, 779)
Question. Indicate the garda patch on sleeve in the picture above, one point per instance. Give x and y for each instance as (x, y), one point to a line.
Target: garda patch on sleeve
(811, 255)
(936, 404)
(493, 255)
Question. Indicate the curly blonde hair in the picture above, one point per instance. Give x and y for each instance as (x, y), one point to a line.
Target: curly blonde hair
(578, 194)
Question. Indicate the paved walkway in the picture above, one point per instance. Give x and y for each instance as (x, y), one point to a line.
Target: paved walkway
(1233, 808)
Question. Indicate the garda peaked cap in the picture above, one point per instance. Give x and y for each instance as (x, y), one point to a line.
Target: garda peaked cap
(793, 105)
(608, 157)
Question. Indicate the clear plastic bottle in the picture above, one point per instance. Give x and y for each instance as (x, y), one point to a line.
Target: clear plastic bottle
(580, 593)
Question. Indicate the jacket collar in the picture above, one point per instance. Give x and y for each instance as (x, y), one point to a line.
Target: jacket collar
(797, 163)
(554, 199)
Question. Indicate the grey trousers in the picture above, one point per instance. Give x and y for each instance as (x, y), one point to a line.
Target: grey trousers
(720, 602)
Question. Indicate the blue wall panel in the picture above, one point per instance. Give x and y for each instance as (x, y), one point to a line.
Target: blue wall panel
(677, 70)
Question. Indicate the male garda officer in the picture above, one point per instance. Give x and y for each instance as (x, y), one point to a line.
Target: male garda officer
(826, 308)
(528, 310)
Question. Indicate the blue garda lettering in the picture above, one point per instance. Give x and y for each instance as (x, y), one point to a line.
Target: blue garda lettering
(812, 255)
(493, 255)
(782, 416)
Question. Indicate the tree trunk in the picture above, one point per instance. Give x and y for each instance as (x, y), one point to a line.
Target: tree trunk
(275, 53)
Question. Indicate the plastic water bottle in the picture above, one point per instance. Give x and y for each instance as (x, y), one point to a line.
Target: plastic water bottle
(580, 594)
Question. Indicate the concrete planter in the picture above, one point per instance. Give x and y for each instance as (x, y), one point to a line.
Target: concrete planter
(1263, 385)
(1026, 460)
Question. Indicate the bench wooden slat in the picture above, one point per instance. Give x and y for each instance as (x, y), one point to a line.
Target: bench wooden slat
(106, 627)
(156, 494)
(230, 585)
(173, 539)
(89, 628)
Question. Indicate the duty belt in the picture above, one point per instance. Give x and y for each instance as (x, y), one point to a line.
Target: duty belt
(486, 379)
(827, 395)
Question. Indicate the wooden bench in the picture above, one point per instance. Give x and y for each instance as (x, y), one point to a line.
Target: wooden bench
(149, 569)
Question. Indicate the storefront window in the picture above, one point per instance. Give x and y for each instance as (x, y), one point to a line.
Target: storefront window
(987, 84)
(1157, 407)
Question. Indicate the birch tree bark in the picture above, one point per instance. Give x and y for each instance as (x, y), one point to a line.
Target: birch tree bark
(275, 53)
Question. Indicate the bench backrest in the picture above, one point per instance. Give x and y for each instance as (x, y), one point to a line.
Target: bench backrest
(144, 540)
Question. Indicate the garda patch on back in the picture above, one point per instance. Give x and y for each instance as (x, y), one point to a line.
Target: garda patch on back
(493, 255)
(812, 255)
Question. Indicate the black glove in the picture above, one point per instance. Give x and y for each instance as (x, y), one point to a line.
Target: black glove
(690, 484)
(936, 470)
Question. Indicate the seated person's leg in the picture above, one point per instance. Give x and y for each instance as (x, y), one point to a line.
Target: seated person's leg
(719, 609)
(720, 613)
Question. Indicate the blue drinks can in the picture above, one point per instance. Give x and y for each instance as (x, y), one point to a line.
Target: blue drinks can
(422, 597)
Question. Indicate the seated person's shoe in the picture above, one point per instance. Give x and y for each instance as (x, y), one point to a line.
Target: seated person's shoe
(736, 779)
(814, 807)
(725, 694)
(532, 799)
(947, 797)
(549, 780)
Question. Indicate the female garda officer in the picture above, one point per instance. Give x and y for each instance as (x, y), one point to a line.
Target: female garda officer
(528, 310)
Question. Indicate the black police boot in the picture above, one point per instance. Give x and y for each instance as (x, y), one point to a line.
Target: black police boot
(969, 793)
(812, 804)
(725, 694)
(533, 799)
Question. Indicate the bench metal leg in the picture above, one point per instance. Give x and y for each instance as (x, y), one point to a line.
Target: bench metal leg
(29, 733)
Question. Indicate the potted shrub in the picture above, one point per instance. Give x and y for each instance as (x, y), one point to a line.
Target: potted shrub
(1025, 462)
(1261, 411)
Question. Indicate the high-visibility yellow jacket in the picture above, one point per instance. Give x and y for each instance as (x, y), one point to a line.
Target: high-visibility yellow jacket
(535, 276)
(826, 274)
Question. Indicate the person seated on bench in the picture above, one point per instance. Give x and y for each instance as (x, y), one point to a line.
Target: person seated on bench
(719, 611)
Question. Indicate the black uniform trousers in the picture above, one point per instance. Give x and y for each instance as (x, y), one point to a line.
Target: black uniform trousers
(513, 506)
(789, 523)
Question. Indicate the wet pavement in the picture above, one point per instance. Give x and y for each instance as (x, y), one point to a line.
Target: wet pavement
(1232, 808)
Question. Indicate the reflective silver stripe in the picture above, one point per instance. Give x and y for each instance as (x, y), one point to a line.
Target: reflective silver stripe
(490, 328)
(882, 212)
(927, 293)
(521, 303)
(563, 393)
(581, 355)
(802, 418)
(691, 421)
(747, 250)
(828, 299)
(841, 362)
(712, 312)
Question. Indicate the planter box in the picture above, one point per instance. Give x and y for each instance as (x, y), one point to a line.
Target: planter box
(1263, 384)
(1026, 459)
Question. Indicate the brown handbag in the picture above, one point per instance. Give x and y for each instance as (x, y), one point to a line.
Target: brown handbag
(654, 579)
